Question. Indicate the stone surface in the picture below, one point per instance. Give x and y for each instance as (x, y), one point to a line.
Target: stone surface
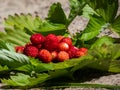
(41, 7)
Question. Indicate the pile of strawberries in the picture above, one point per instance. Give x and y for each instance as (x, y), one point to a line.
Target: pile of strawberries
(51, 48)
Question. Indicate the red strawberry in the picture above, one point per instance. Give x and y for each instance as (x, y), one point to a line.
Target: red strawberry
(83, 50)
(31, 51)
(37, 39)
(54, 55)
(79, 53)
(67, 40)
(51, 46)
(51, 38)
(60, 38)
(63, 46)
(62, 56)
(72, 51)
(19, 49)
(45, 56)
(51, 42)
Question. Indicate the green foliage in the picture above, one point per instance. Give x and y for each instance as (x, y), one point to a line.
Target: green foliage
(76, 7)
(12, 59)
(56, 14)
(105, 8)
(115, 26)
(94, 27)
(103, 53)
(15, 37)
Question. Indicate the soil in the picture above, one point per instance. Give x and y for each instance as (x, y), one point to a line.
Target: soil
(41, 7)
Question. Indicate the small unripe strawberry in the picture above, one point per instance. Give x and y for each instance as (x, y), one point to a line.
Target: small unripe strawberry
(45, 56)
(19, 49)
(67, 40)
(63, 46)
(37, 39)
(31, 51)
(62, 56)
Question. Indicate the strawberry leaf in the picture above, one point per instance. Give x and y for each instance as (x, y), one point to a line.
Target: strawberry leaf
(12, 59)
(105, 8)
(5, 45)
(115, 25)
(15, 37)
(94, 27)
(105, 40)
(27, 81)
(106, 58)
(48, 27)
(56, 14)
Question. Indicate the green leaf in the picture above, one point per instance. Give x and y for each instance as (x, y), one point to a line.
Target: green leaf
(12, 59)
(23, 21)
(105, 8)
(19, 80)
(106, 58)
(56, 14)
(115, 26)
(88, 11)
(3, 68)
(105, 40)
(114, 66)
(76, 7)
(27, 81)
(5, 45)
(48, 27)
(94, 27)
(15, 37)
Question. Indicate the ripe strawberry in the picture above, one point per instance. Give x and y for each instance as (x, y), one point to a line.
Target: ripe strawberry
(62, 56)
(51, 38)
(54, 55)
(72, 51)
(67, 40)
(60, 38)
(63, 46)
(19, 49)
(79, 53)
(31, 51)
(45, 56)
(51, 42)
(83, 50)
(37, 39)
(51, 46)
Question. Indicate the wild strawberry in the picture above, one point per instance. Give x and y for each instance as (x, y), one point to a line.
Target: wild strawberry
(31, 51)
(83, 50)
(63, 46)
(79, 53)
(67, 40)
(54, 55)
(60, 38)
(37, 39)
(51, 42)
(62, 56)
(19, 49)
(51, 38)
(72, 51)
(45, 56)
(39, 46)
(51, 46)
